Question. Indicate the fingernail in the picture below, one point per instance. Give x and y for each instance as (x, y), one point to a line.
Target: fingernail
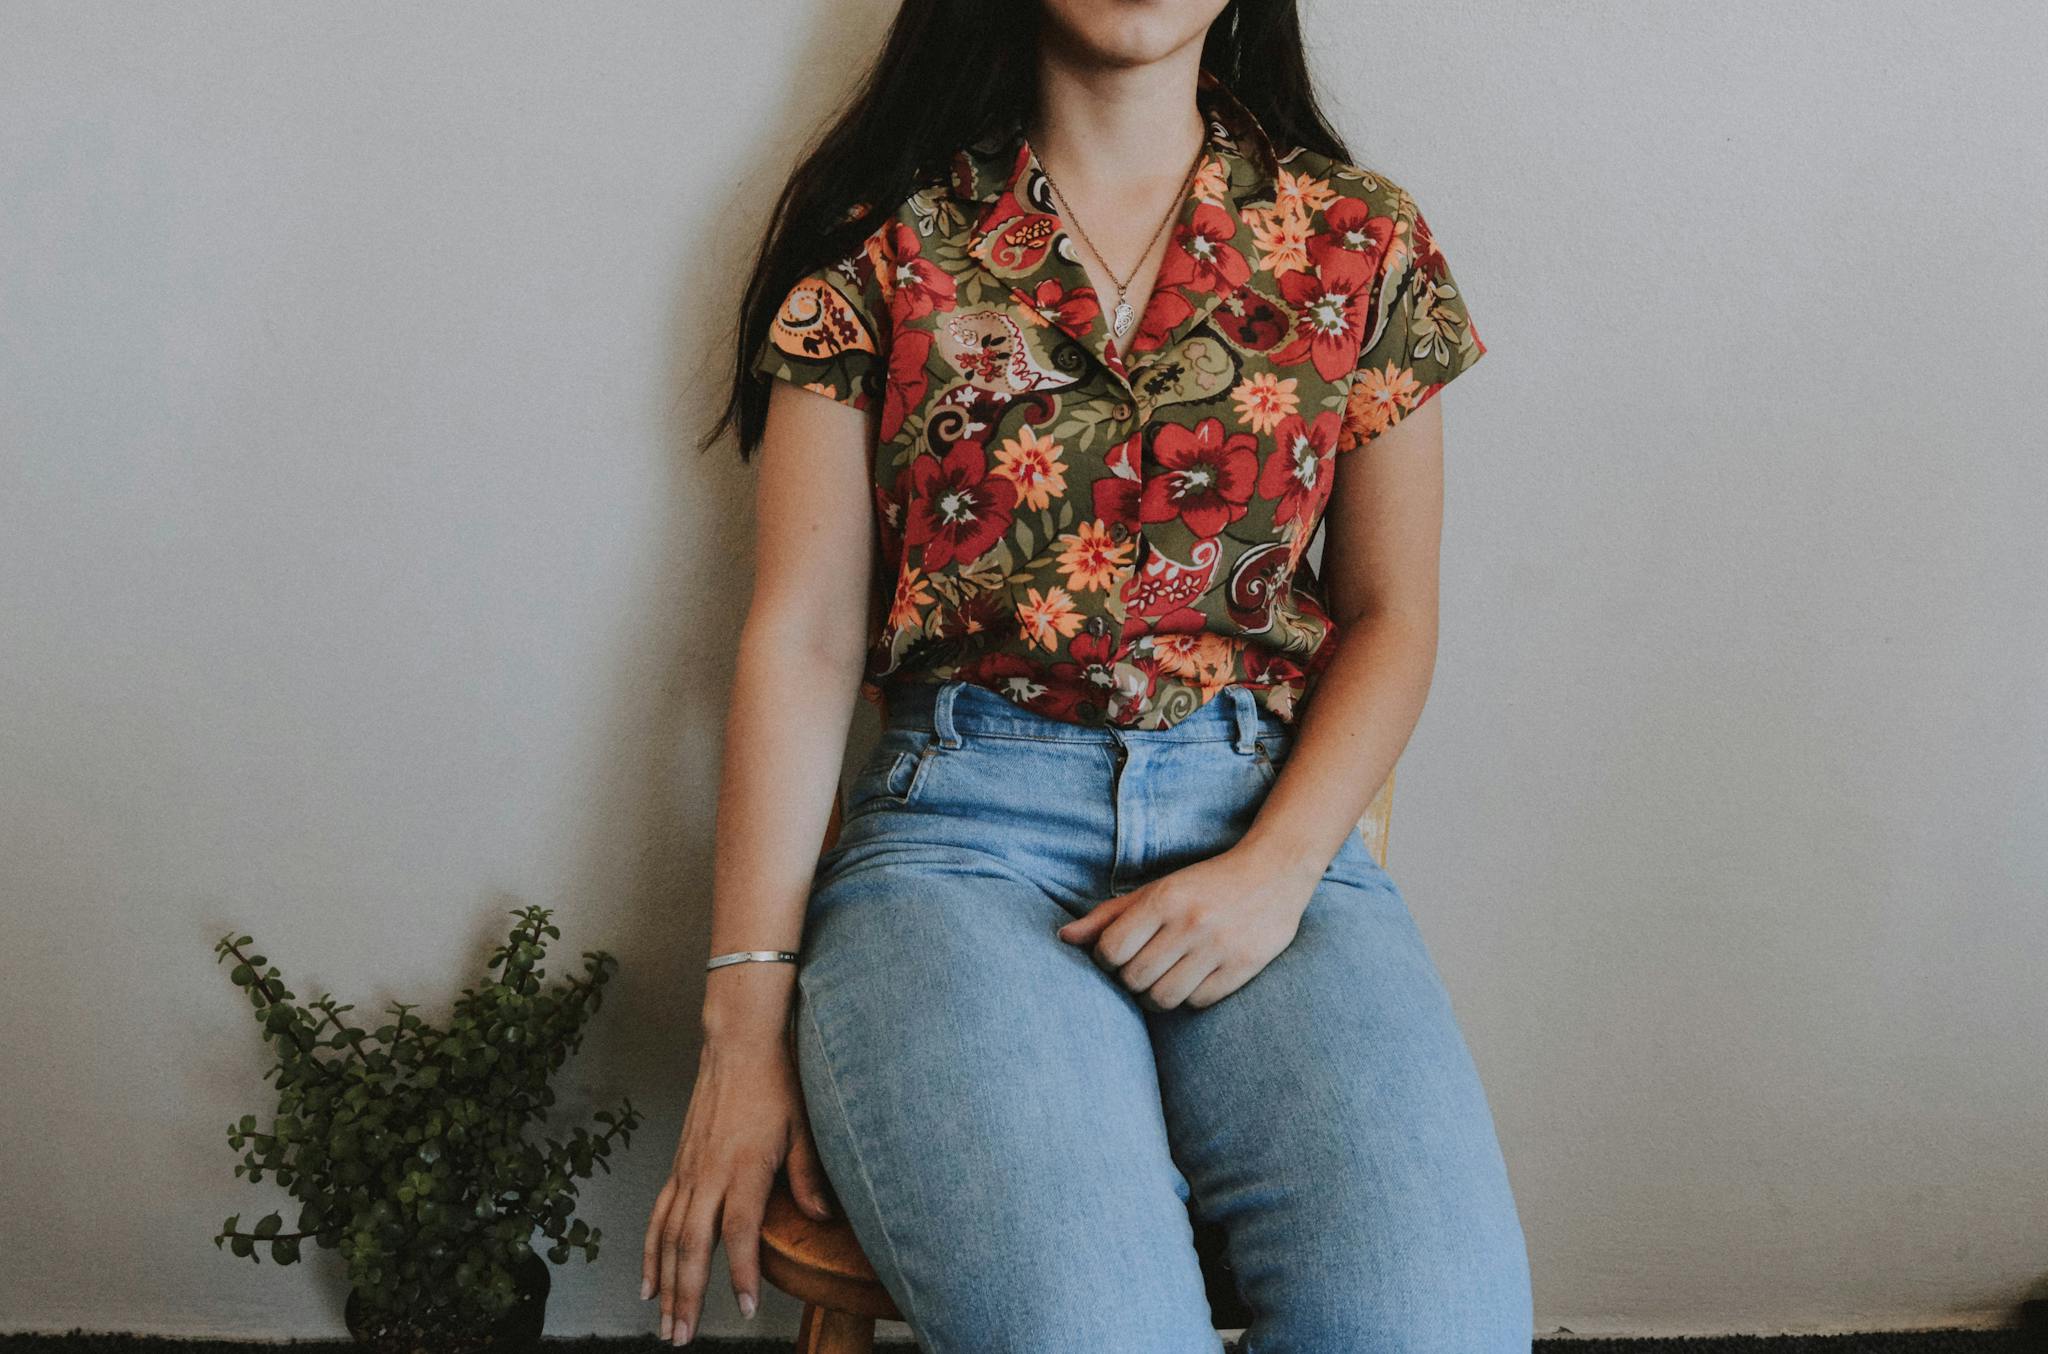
(666, 1328)
(683, 1333)
(646, 1290)
(747, 1305)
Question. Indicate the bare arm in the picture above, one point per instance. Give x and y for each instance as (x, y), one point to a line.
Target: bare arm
(1385, 524)
(792, 700)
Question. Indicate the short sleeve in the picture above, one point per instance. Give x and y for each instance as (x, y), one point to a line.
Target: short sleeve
(828, 334)
(1419, 337)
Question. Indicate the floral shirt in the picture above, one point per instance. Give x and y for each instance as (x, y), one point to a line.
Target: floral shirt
(1106, 540)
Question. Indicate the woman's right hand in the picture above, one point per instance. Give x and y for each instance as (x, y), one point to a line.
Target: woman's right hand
(745, 1119)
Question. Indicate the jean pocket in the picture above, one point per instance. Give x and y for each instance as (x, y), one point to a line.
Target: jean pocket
(1270, 753)
(894, 774)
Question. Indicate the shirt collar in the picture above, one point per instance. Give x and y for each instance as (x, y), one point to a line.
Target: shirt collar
(1014, 235)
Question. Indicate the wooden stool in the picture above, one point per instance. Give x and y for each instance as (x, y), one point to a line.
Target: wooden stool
(821, 1264)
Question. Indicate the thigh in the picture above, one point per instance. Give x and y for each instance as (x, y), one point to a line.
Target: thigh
(986, 1106)
(1328, 1113)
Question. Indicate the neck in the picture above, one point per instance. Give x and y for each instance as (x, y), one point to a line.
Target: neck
(1118, 125)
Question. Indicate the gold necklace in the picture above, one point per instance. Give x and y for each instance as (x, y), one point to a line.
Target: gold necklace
(1120, 319)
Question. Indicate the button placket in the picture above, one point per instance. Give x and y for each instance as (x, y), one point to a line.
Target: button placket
(1129, 532)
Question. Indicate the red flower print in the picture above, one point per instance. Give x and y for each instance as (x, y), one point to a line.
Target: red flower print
(1298, 471)
(1073, 309)
(1267, 665)
(1091, 649)
(1201, 258)
(1166, 309)
(1092, 671)
(889, 514)
(1116, 494)
(907, 378)
(1206, 476)
(1333, 299)
(1352, 227)
(1280, 677)
(1116, 499)
(1057, 690)
(1016, 676)
(913, 285)
(957, 509)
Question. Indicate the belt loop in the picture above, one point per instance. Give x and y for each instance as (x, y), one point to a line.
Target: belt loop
(942, 715)
(1246, 708)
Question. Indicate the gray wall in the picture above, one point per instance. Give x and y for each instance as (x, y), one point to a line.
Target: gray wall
(357, 584)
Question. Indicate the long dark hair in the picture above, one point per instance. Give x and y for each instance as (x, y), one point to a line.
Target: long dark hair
(949, 72)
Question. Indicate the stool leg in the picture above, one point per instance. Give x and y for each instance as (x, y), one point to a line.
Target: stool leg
(827, 1332)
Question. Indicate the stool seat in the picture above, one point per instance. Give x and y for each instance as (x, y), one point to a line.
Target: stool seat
(819, 1262)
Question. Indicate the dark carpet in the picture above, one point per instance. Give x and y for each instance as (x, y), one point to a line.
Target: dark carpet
(1905, 1342)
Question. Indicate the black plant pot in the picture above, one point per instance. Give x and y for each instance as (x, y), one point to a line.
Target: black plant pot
(518, 1331)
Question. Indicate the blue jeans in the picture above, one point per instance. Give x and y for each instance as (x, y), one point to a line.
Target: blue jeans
(1016, 1140)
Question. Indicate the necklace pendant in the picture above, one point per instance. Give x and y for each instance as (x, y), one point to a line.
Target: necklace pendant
(1121, 319)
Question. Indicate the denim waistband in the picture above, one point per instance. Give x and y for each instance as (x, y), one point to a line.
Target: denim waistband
(959, 707)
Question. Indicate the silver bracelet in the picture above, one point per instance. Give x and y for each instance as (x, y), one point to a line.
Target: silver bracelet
(741, 956)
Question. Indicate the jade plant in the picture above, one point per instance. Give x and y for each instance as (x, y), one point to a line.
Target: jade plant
(406, 1146)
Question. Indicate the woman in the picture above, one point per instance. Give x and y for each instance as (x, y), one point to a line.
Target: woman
(1098, 950)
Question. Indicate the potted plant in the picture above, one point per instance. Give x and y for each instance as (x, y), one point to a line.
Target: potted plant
(406, 1147)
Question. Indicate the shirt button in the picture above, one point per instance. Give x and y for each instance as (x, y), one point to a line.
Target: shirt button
(1121, 412)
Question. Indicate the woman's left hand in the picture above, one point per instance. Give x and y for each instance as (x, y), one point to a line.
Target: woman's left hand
(1200, 933)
